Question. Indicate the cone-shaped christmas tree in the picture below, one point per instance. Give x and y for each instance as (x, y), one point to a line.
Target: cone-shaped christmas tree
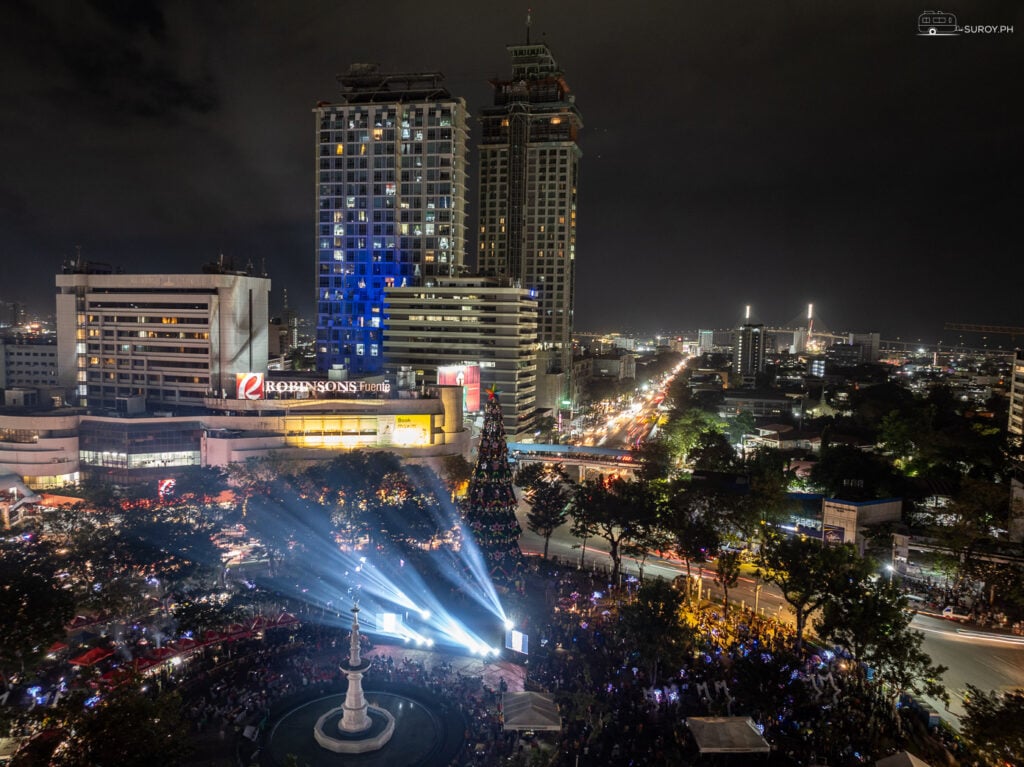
(491, 502)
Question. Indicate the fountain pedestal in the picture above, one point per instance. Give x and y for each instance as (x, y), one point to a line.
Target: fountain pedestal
(362, 727)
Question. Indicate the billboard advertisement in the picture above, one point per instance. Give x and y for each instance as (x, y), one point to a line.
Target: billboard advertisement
(468, 377)
(833, 534)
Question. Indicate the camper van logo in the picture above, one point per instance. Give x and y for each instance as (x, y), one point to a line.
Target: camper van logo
(249, 385)
(943, 24)
(937, 23)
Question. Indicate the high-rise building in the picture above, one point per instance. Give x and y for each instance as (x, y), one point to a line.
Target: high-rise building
(464, 322)
(529, 171)
(1016, 424)
(391, 191)
(705, 341)
(126, 341)
(749, 352)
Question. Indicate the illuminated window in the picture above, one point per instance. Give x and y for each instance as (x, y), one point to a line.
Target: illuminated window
(339, 149)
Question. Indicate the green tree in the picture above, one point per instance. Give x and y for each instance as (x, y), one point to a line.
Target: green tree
(456, 472)
(129, 729)
(655, 459)
(33, 606)
(598, 510)
(649, 534)
(688, 517)
(994, 723)
(807, 572)
(201, 484)
(739, 426)
(651, 626)
(713, 452)
(869, 616)
(847, 472)
(727, 574)
(549, 510)
(684, 430)
(977, 509)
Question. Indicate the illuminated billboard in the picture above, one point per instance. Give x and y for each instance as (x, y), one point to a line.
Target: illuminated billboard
(254, 386)
(466, 376)
(248, 385)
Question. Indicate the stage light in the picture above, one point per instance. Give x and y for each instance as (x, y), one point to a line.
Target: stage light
(508, 624)
(425, 614)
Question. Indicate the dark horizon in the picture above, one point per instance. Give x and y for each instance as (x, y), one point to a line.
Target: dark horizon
(735, 154)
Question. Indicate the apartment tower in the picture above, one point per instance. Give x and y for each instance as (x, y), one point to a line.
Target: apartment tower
(391, 204)
(529, 170)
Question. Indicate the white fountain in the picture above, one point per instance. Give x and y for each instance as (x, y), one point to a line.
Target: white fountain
(362, 727)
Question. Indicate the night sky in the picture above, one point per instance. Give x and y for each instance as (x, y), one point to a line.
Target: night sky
(734, 152)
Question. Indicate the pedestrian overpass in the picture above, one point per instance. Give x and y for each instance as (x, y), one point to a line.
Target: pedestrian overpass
(586, 460)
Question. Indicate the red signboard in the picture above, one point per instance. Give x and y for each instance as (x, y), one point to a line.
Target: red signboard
(249, 385)
(466, 376)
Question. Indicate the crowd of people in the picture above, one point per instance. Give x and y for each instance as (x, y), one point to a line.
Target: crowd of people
(613, 713)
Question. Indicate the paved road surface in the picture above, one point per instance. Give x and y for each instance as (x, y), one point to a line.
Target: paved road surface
(987, 660)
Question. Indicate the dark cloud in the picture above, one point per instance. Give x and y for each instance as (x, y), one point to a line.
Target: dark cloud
(115, 60)
(734, 152)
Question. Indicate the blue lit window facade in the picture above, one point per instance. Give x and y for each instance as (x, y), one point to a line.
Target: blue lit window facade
(391, 191)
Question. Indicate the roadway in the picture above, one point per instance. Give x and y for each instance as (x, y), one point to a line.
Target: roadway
(989, 661)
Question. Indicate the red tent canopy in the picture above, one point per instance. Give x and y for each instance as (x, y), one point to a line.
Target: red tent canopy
(162, 654)
(57, 647)
(185, 644)
(237, 631)
(141, 664)
(286, 619)
(92, 657)
(116, 676)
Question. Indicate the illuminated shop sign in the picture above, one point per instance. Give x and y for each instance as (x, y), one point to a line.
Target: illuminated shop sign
(468, 377)
(254, 386)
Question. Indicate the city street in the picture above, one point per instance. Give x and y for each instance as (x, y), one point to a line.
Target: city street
(990, 661)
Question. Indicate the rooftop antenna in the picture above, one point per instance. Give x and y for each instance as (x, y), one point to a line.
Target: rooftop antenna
(746, 316)
(528, 12)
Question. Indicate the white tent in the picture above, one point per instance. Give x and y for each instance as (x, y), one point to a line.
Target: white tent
(727, 735)
(901, 759)
(530, 711)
